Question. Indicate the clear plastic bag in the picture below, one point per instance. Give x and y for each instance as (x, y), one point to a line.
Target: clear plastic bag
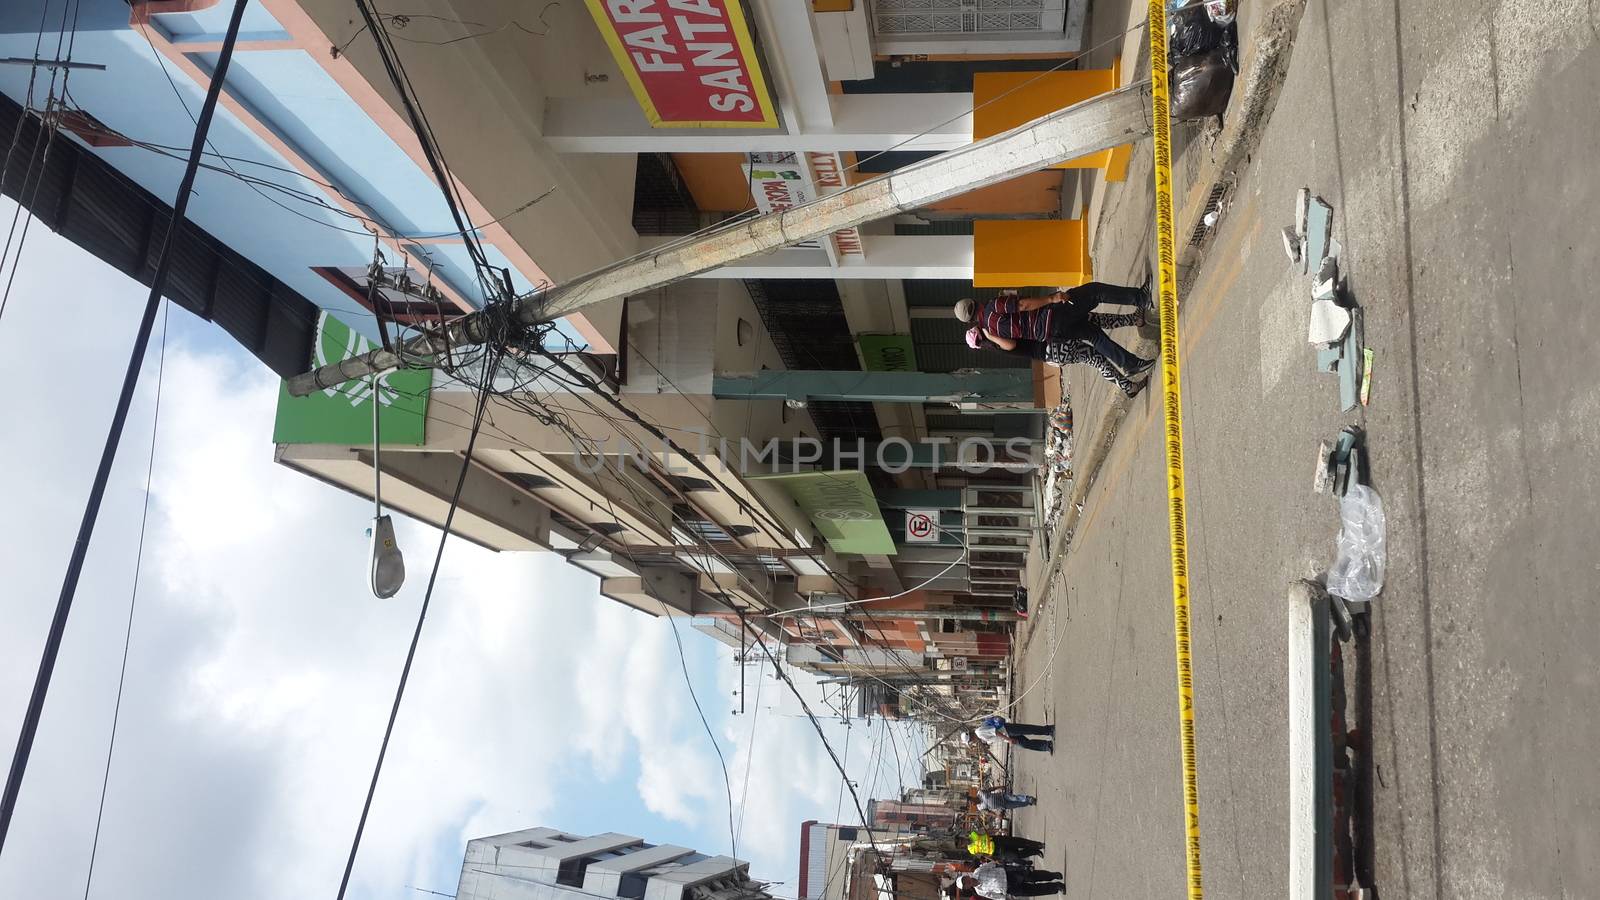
(1357, 571)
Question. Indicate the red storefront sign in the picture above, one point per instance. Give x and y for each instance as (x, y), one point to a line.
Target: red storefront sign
(691, 63)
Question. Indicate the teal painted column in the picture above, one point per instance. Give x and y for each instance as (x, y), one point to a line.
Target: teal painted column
(1010, 387)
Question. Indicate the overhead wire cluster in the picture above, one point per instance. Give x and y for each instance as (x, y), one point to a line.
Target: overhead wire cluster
(49, 116)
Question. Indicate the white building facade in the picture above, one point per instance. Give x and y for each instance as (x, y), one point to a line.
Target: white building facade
(550, 864)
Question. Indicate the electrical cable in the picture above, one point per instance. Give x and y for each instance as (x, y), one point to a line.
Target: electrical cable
(184, 104)
(80, 548)
(426, 139)
(422, 616)
(839, 805)
(16, 134)
(750, 751)
(639, 420)
(50, 125)
(758, 640)
(133, 598)
(645, 357)
(727, 783)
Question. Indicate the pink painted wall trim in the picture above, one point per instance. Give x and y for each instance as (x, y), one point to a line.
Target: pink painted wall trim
(305, 35)
(139, 19)
(310, 37)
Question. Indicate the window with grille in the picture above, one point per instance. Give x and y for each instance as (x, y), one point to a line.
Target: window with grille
(918, 17)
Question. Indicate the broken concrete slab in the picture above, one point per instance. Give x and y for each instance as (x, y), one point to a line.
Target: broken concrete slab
(1325, 286)
(1328, 322)
(1350, 364)
(1322, 478)
(1328, 358)
(1366, 375)
(1319, 231)
(1291, 243)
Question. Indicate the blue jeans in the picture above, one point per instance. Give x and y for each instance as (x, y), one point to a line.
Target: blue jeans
(1007, 800)
(1103, 344)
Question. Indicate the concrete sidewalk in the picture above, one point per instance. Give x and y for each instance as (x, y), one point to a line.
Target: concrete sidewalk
(1449, 139)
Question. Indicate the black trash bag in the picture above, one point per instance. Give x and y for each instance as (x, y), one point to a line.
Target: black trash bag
(1201, 85)
(1191, 32)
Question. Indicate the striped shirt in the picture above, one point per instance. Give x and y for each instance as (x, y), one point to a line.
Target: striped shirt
(1003, 317)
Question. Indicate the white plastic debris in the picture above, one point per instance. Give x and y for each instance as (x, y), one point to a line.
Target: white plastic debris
(1328, 322)
(1291, 243)
(1357, 571)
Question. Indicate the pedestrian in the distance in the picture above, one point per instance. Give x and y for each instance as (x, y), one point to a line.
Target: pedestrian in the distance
(996, 729)
(1003, 847)
(998, 799)
(994, 882)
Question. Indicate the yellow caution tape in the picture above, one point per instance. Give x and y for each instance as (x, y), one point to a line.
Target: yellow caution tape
(1172, 409)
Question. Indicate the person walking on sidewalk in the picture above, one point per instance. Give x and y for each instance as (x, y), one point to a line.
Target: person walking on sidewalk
(1065, 353)
(995, 882)
(998, 799)
(996, 729)
(1003, 847)
(1066, 315)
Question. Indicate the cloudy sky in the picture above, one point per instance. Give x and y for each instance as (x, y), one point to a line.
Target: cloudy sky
(261, 670)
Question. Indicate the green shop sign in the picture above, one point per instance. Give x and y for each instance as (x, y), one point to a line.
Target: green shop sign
(343, 414)
(842, 506)
(887, 352)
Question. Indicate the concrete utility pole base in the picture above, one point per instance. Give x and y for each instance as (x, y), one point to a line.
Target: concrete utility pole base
(1106, 121)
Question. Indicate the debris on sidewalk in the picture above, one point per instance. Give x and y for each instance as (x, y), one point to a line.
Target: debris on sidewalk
(1322, 478)
(1366, 374)
(1328, 322)
(1335, 322)
(1222, 12)
(1318, 232)
(1291, 243)
(1201, 85)
(1350, 363)
(1357, 571)
(1057, 460)
(1203, 57)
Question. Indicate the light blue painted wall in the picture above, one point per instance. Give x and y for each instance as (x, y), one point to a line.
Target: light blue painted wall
(288, 89)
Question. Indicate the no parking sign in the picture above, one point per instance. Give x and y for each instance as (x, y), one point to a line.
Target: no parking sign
(922, 526)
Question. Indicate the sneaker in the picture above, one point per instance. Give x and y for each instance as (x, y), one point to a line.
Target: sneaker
(1137, 387)
(1143, 367)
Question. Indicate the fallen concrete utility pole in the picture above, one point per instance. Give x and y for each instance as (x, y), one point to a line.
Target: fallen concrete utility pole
(872, 614)
(1102, 122)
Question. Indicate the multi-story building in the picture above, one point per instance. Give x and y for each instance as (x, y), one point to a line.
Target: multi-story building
(824, 859)
(548, 864)
(906, 815)
(575, 135)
